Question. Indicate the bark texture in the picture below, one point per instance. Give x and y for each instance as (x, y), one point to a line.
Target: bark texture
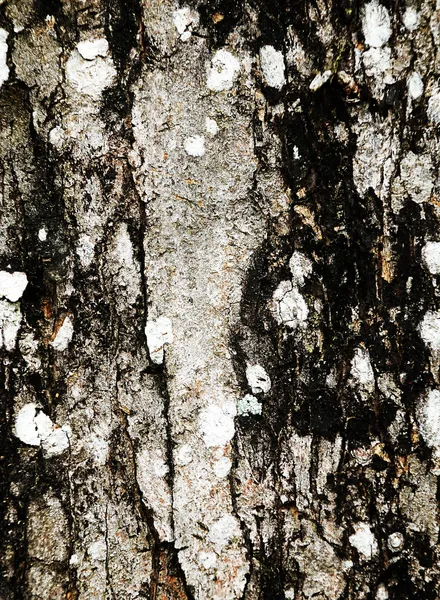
(219, 311)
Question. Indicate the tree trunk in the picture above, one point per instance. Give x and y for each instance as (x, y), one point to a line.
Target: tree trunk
(219, 312)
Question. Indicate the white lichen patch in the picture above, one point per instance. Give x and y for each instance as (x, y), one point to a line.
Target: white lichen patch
(395, 541)
(184, 455)
(415, 86)
(428, 418)
(258, 380)
(90, 77)
(272, 67)
(211, 126)
(431, 257)
(301, 267)
(289, 306)
(376, 24)
(222, 467)
(10, 321)
(57, 137)
(98, 550)
(4, 69)
(12, 285)
(63, 336)
(195, 145)
(377, 65)
(411, 18)
(35, 428)
(223, 531)
(430, 330)
(74, 560)
(184, 21)
(42, 234)
(319, 80)
(364, 540)
(223, 71)
(382, 592)
(90, 49)
(159, 333)
(361, 369)
(249, 405)
(216, 424)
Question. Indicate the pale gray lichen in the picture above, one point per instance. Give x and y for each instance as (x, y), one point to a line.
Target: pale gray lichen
(223, 71)
(272, 66)
(249, 405)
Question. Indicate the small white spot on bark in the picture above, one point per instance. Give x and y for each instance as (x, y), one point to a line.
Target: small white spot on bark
(272, 66)
(74, 560)
(222, 466)
(63, 336)
(223, 71)
(430, 330)
(90, 49)
(98, 550)
(363, 540)
(382, 593)
(160, 467)
(428, 417)
(289, 306)
(42, 234)
(249, 405)
(211, 126)
(300, 267)
(431, 257)
(411, 18)
(376, 24)
(35, 428)
(184, 20)
(4, 69)
(159, 333)
(258, 379)
(90, 77)
(395, 541)
(319, 80)
(25, 426)
(415, 85)
(57, 137)
(10, 321)
(195, 145)
(223, 531)
(361, 369)
(12, 285)
(184, 455)
(216, 423)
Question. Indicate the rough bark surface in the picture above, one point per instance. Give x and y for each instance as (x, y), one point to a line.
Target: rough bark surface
(219, 310)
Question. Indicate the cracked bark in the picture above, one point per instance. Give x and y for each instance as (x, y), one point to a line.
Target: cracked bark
(257, 182)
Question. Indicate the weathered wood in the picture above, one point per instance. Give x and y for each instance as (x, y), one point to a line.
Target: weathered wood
(219, 312)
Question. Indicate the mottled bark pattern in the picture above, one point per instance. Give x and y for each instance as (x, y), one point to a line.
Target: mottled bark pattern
(219, 311)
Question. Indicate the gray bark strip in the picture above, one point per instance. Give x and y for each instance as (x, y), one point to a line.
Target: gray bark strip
(219, 311)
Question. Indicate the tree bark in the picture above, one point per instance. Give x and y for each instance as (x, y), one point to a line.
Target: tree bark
(219, 311)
